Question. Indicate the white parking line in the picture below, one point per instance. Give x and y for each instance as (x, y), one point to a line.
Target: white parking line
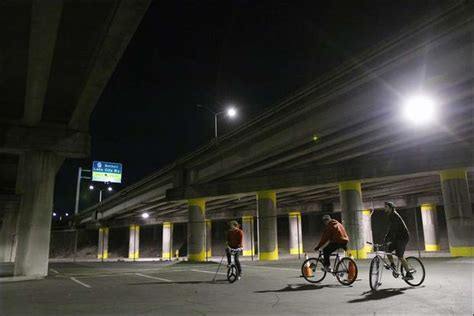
(273, 268)
(81, 283)
(211, 272)
(55, 271)
(152, 277)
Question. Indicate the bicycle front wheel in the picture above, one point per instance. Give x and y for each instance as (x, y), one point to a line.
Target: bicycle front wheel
(417, 271)
(232, 273)
(346, 271)
(312, 270)
(375, 273)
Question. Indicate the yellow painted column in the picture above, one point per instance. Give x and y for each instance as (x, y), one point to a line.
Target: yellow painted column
(352, 218)
(103, 247)
(247, 228)
(134, 242)
(167, 249)
(296, 235)
(458, 209)
(267, 219)
(429, 219)
(197, 230)
(208, 239)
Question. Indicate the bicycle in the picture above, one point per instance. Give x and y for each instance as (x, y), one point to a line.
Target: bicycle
(375, 271)
(232, 272)
(344, 269)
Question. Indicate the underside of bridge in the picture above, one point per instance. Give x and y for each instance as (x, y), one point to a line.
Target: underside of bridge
(56, 59)
(338, 145)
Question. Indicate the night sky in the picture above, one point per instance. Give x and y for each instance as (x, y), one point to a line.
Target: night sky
(249, 53)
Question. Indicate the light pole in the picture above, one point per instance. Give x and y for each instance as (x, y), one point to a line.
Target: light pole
(91, 187)
(78, 188)
(231, 112)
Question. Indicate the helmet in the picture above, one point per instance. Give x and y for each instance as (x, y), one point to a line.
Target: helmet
(391, 205)
(326, 218)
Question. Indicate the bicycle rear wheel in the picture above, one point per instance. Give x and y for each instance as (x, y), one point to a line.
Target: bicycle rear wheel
(346, 271)
(232, 273)
(312, 270)
(375, 273)
(418, 269)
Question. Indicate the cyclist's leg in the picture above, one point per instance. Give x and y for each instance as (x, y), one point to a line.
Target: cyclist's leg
(237, 262)
(227, 252)
(391, 247)
(400, 251)
(327, 253)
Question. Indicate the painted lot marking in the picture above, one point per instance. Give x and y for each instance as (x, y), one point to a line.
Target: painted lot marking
(81, 283)
(152, 277)
(55, 271)
(272, 268)
(211, 272)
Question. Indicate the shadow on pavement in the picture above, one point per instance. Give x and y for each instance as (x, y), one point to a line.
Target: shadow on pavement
(301, 287)
(381, 294)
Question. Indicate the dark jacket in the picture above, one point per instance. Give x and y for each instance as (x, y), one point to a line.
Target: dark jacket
(334, 232)
(397, 229)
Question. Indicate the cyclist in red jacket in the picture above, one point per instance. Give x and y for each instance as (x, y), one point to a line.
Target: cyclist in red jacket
(234, 241)
(336, 234)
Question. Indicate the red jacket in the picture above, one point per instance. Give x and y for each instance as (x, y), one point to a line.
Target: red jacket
(334, 232)
(234, 238)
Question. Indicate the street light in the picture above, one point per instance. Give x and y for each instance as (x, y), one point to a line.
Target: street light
(230, 111)
(91, 187)
(145, 215)
(420, 109)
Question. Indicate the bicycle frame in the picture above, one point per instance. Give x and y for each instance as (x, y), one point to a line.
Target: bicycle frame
(336, 260)
(382, 255)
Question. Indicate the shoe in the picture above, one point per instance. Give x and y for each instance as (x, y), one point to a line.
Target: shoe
(386, 266)
(327, 269)
(239, 277)
(408, 277)
(394, 267)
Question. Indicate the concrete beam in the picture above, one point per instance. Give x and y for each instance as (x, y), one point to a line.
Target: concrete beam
(45, 18)
(119, 30)
(399, 165)
(65, 142)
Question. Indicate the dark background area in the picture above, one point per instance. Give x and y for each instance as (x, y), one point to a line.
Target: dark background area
(248, 53)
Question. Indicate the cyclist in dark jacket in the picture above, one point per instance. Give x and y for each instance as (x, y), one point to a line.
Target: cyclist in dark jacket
(397, 237)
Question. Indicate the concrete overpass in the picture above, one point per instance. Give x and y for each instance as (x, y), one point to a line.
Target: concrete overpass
(339, 144)
(56, 59)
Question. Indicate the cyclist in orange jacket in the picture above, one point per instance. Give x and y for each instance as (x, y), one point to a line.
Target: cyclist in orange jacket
(336, 234)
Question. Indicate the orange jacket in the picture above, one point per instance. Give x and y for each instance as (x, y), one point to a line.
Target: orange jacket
(334, 232)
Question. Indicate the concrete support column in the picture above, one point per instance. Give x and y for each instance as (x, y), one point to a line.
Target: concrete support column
(296, 236)
(458, 209)
(247, 228)
(429, 218)
(34, 221)
(134, 242)
(268, 239)
(167, 250)
(367, 221)
(8, 237)
(208, 238)
(103, 247)
(197, 230)
(352, 218)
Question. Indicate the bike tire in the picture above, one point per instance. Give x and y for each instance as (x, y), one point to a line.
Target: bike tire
(232, 273)
(316, 265)
(343, 271)
(418, 275)
(375, 273)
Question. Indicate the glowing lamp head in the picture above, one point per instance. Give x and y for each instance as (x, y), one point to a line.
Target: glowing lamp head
(419, 109)
(91, 187)
(231, 112)
(145, 215)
